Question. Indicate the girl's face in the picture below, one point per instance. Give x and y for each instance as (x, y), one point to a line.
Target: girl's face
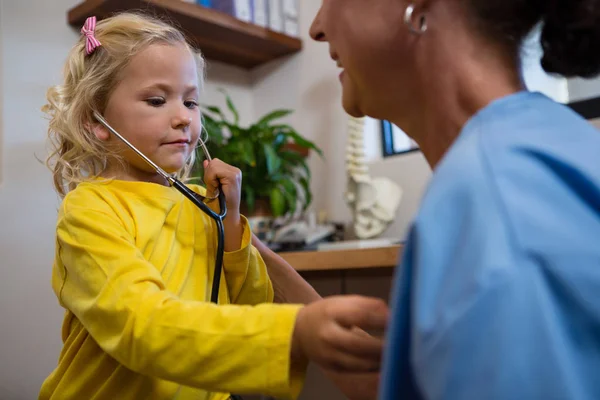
(155, 107)
(369, 40)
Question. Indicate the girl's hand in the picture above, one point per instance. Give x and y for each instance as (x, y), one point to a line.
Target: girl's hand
(216, 173)
(326, 333)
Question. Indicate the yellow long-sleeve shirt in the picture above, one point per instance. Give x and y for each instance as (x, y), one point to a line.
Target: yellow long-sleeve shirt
(133, 268)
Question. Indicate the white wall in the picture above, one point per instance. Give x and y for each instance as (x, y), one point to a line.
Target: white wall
(236, 82)
(583, 89)
(33, 45)
(34, 42)
(536, 79)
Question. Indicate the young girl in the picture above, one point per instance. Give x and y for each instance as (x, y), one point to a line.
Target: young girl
(134, 258)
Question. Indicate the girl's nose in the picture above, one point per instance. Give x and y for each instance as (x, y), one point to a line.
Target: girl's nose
(182, 119)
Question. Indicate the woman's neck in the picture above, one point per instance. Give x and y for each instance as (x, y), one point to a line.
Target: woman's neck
(456, 77)
(440, 119)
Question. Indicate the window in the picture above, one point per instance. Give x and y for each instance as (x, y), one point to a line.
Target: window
(395, 141)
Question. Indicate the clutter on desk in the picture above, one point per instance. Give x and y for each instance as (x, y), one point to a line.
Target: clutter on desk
(301, 234)
(358, 244)
(297, 233)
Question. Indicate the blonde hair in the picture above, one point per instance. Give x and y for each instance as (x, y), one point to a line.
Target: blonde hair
(76, 154)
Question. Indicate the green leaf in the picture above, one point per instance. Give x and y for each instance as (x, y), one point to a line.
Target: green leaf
(279, 140)
(302, 142)
(213, 129)
(273, 160)
(255, 131)
(295, 160)
(249, 198)
(234, 111)
(289, 192)
(216, 110)
(277, 202)
(307, 193)
(206, 117)
(270, 169)
(248, 154)
(273, 116)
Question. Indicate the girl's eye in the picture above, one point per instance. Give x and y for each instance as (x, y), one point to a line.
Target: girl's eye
(191, 104)
(155, 101)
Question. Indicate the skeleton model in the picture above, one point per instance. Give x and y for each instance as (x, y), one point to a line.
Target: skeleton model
(373, 201)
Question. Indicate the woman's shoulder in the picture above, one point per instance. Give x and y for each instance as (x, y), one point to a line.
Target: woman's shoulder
(540, 142)
(533, 121)
(532, 163)
(523, 135)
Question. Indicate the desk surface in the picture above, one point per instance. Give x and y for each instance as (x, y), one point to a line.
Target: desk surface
(343, 259)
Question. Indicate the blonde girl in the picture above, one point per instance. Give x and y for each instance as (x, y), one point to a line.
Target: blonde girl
(133, 257)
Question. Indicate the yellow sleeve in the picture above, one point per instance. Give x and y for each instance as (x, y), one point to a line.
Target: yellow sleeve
(246, 273)
(121, 300)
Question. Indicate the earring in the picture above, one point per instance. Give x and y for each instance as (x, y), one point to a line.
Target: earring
(408, 20)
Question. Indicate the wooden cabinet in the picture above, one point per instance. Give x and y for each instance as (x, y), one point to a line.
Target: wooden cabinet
(367, 272)
(376, 257)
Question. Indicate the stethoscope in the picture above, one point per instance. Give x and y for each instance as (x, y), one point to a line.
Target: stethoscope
(195, 198)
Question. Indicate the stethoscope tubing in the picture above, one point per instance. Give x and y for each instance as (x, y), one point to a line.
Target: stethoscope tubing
(195, 198)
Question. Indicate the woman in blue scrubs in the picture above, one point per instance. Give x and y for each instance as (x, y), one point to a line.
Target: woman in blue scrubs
(498, 292)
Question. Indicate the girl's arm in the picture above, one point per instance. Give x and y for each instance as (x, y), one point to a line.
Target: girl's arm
(288, 285)
(255, 274)
(245, 272)
(122, 301)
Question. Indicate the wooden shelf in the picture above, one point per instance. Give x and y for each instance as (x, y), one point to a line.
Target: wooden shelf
(219, 36)
(343, 259)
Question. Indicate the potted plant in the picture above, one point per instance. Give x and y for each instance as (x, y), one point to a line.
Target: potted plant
(275, 174)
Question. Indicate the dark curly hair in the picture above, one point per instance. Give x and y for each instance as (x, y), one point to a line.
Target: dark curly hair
(570, 36)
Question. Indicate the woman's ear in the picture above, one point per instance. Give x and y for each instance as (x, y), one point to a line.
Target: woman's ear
(98, 130)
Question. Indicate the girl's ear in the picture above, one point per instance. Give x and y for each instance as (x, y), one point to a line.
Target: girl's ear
(98, 130)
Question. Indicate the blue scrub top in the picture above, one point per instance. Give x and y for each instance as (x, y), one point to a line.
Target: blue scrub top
(498, 292)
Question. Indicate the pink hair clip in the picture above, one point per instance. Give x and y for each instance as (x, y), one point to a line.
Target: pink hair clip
(88, 30)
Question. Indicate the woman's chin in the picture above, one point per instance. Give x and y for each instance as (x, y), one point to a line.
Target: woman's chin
(350, 104)
(353, 110)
